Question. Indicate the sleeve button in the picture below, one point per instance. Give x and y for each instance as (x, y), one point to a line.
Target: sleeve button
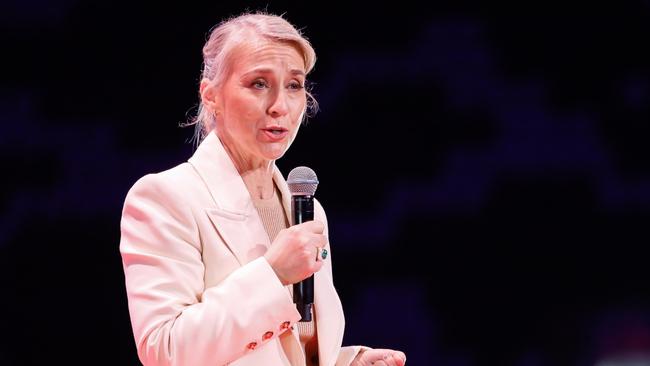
(267, 336)
(251, 346)
(285, 325)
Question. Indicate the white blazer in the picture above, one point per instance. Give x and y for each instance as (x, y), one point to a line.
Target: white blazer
(200, 291)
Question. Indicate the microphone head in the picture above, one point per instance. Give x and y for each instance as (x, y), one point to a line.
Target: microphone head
(302, 181)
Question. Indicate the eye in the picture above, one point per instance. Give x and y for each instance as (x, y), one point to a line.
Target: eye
(295, 85)
(259, 84)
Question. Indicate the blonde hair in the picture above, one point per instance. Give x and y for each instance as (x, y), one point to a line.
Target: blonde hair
(224, 38)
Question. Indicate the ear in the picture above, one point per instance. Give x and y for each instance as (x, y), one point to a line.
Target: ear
(209, 95)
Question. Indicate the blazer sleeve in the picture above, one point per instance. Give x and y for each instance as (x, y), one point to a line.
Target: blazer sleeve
(176, 321)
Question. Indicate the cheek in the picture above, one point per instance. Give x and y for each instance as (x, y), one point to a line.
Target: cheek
(246, 112)
(294, 131)
(298, 109)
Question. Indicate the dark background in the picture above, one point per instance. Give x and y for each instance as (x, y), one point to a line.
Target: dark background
(484, 169)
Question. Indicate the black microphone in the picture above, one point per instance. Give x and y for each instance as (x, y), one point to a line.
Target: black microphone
(302, 185)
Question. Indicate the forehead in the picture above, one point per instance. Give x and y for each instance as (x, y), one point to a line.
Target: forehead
(262, 53)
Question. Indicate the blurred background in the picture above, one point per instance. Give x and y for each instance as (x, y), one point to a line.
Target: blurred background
(484, 168)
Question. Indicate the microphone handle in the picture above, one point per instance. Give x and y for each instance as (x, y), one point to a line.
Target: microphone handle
(302, 208)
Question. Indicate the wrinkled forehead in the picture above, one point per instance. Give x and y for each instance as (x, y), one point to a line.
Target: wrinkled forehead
(257, 50)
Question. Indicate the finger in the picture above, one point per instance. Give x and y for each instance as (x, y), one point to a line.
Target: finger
(388, 359)
(314, 241)
(310, 240)
(321, 254)
(317, 256)
(398, 356)
(319, 240)
(401, 356)
(317, 266)
(375, 355)
(394, 357)
(394, 360)
(314, 226)
(399, 361)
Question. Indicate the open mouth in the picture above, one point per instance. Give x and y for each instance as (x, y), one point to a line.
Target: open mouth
(276, 133)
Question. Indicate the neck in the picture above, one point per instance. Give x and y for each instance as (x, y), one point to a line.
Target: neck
(259, 181)
(257, 174)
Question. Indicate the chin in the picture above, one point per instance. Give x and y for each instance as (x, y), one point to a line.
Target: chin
(275, 154)
(274, 151)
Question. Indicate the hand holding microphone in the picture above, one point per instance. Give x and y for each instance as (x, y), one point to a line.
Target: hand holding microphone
(294, 252)
(299, 250)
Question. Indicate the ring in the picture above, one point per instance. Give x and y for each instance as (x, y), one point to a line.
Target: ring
(321, 253)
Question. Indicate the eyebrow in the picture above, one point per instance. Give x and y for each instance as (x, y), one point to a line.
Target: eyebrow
(269, 71)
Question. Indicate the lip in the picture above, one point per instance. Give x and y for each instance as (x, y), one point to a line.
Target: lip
(272, 134)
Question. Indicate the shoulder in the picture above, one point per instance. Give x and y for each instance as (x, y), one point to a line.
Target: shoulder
(176, 177)
(164, 187)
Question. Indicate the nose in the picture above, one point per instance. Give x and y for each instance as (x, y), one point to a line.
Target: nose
(279, 103)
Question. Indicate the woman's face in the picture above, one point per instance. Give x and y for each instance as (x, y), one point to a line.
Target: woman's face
(261, 103)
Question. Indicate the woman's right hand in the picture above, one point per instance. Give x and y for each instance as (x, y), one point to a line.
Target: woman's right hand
(293, 253)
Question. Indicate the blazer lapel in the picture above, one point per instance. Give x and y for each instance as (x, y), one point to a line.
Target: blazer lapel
(329, 319)
(244, 235)
(233, 213)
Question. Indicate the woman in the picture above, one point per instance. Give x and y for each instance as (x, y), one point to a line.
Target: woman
(209, 256)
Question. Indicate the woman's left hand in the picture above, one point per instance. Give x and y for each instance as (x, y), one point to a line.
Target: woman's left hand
(379, 357)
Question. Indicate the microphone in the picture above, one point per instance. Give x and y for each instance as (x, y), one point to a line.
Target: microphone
(302, 185)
